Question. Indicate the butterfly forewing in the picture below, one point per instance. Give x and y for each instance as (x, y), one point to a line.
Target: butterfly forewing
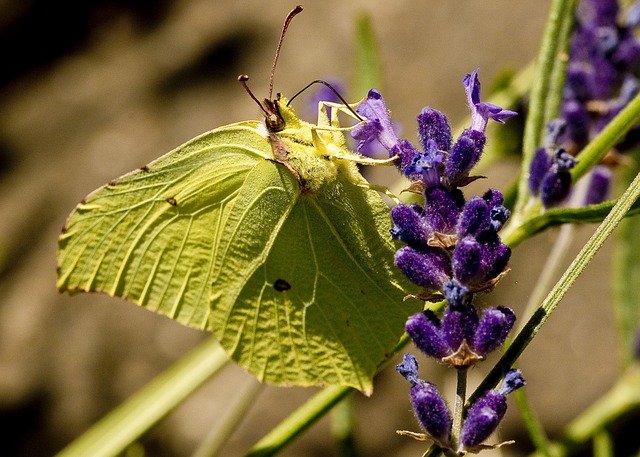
(151, 235)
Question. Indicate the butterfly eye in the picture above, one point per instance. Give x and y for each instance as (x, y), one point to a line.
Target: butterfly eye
(275, 123)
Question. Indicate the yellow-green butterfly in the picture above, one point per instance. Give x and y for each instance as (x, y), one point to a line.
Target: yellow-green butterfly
(263, 232)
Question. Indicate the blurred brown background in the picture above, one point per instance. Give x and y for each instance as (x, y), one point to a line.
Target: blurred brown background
(90, 90)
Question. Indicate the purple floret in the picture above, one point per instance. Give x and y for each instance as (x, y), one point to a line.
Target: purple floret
(492, 330)
(599, 184)
(486, 413)
(434, 126)
(424, 330)
(410, 226)
(377, 124)
(428, 405)
(428, 268)
(459, 324)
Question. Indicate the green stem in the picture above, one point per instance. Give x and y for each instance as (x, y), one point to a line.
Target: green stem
(539, 92)
(593, 153)
(342, 427)
(559, 216)
(552, 300)
(602, 444)
(532, 424)
(141, 411)
(559, 75)
(458, 405)
(299, 421)
(230, 418)
(367, 57)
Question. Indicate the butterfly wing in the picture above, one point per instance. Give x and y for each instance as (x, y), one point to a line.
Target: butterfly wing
(322, 302)
(151, 236)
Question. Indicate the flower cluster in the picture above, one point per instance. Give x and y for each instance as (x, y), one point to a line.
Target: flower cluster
(434, 416)
(452, 246)
(601, 79)
(451, 250)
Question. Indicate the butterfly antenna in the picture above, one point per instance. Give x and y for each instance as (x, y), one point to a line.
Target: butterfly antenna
(285, 26)
(242, 79)
(333, 89)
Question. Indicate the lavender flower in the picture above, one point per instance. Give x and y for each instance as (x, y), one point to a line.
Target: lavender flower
(377, 124)
(452, 247)
(466, 151)
(550, 177)
(428, 405)
(486, 413)
(460, 338)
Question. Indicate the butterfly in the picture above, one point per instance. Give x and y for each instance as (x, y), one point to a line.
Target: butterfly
(263, 232)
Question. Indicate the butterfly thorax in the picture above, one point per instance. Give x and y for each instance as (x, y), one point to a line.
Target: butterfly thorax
(313, 154)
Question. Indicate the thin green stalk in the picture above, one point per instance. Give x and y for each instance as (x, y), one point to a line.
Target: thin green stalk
(458, 404)
(299, 421)
(559, 216)
(578, 265)
(559, 74)
(593, 153)
(230, 418)
(342, 427)
(603, 444)
(141, 411)
(367, 57)
(547, 58)
(532, 424)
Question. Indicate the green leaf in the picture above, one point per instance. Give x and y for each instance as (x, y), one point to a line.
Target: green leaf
(367, 57)
(272, 240)
(141, 411)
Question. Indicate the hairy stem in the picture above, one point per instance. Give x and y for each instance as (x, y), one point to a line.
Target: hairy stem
(458, 404)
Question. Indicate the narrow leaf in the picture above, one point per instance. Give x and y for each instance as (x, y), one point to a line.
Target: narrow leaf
(127, 423)
(367, 57)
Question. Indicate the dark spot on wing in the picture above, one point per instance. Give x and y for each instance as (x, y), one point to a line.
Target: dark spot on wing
(172, 201)
(281, 285)
(144, 168)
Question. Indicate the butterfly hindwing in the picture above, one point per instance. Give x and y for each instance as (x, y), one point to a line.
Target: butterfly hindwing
(319, 303)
